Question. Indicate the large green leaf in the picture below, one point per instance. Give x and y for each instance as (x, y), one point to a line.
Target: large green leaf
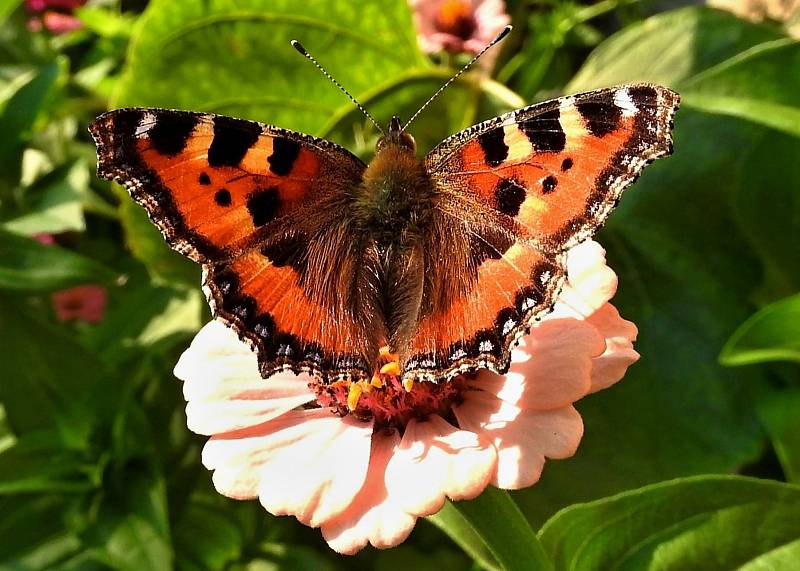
(38, 462)
(772, 334)
(753, 85)
(47, 378)
(17, 118)
(708, 522)
(778, 412)
(132, 529)
(58, 207)
(26, 265)
(493, 531)
(669, 48)
(233, 57)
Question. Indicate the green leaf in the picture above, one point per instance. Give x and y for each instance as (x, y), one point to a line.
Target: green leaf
(32, 532)
(234, 58)
(778, 412)
(148, 245)
(47, 377)
(26, 265)
(669, 48)
(772, 334)
(19, 114)
(6, 7)
(132, 528)
(767, 209)
(753, 85)
(59, 208)
(719, 522)
(493, 531)
(145, 318)
(38, 463)
(222, 539)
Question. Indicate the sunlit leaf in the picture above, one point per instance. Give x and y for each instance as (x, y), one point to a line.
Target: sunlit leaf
(493, 531)
(27, 265)
(772, 334)
(725, 521)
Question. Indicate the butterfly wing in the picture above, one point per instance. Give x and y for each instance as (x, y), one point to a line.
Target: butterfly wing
(518, 191)
(254, 204)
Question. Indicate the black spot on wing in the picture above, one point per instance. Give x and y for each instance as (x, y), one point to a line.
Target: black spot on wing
(544, 131)
(232, 139)
(204, 179)
(509, 196)
(284, 154)
(171, 131)
(493, 145)
(263, 205)
(601, 115)
(549, 184)
(222, 197)
(566, 164)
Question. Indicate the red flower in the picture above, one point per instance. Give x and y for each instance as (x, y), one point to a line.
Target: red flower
(54, 15)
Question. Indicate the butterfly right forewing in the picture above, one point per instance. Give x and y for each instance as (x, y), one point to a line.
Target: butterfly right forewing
(523, 188)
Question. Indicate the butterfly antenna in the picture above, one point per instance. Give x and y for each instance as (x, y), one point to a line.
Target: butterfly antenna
(296, 45)
(497, 38)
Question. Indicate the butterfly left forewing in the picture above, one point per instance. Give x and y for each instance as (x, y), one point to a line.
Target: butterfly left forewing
(527, 186)
(260, 208)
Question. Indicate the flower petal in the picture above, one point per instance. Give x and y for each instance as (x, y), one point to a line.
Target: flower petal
(223, 386)
(435, 460)
(523, 438)
(619, 354)
(316, 478)
(237, 457)
(590, 282)
(374, 516)
(551, 368)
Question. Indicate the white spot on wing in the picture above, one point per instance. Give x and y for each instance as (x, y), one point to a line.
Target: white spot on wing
(623, 100)
(147, 121)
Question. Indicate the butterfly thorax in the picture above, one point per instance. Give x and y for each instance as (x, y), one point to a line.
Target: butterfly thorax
(395, 196)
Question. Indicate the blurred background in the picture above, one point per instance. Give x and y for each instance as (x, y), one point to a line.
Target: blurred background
(97, 468)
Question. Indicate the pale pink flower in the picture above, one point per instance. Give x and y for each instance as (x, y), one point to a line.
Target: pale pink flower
(84, 302)
(458, 26)
(54, 15)
(287, 441)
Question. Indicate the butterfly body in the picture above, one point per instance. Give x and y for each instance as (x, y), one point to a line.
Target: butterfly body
(318, 260)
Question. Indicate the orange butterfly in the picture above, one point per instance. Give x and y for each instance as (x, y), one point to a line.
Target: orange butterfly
(318, 260)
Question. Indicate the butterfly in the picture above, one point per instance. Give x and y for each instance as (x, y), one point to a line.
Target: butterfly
(319, 260)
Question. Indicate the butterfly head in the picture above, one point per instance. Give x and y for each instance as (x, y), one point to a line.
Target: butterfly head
(396, 137)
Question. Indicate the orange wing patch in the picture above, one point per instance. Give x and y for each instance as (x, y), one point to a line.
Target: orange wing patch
(214, 185)
(557, 169)
(481, 328)
(264, 300)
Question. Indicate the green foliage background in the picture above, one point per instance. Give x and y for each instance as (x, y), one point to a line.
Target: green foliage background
(690, 463)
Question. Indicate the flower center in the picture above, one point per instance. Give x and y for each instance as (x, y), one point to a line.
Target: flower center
(455, 17)
(388, 399)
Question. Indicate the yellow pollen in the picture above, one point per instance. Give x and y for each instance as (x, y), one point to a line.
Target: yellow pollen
(376, 382)
(391, 368)
(408, 384)
(353, 395)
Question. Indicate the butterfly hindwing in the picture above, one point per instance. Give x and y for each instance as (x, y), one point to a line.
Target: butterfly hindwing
(526, 186)
(252, 203)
